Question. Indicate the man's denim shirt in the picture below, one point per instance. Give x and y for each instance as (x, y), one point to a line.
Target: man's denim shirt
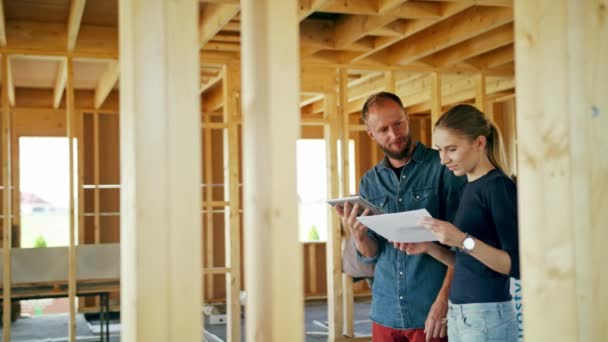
(405, 287)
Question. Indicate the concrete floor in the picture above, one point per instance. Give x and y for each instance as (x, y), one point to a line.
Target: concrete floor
(53, 327)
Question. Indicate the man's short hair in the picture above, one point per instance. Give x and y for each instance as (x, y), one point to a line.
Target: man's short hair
(375, 99)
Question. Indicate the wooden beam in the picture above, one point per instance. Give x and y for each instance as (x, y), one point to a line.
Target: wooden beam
(562, 82)
(232, 221)
(213, 18)
(7, 209)
(211, 83)
(481, 44)
(10, 85)
(386, 6)
(106, 83)
(60, 80)
(420, 10)
(335, 310)
(495, 58)
(412, 27)
(2, 25)
(421, 103)
(436, 99)
(160, 193)
(76, 11)
(317, 34)
(70, 134)
(307, 7)
(212, 99)
(463, 26)
(361, 7)
(274, 309)
(351, 28)
(481, 98)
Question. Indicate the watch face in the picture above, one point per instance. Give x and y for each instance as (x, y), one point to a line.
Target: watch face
(468, 243)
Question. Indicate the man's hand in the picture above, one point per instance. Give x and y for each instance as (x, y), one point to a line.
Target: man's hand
(436, 323)
(348, 215)
(366, 246)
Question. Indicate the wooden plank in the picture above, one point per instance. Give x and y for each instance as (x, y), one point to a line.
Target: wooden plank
(348, 305)
(6, 201)
(208, 201)
(481, 97)
(2, 25)
(562, 77)
(60, 79)
(70, 134)
(386, 6)
(213, 18)
(481, 44)
(463, 26)
(307, 7)
(106, 83)
(412, 27)
(232, 219)
(389, 79)
(96, 180)
(494, 58)
(335, 311)
(312, 268)
(435, 98)
(9, 82)
(351, 28)
(74, 19)
(274, 307)
(160, 172)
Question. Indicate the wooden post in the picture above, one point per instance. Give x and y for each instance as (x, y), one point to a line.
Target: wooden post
(389, 79)
(435, 100)
(231, 194)
(481, 99)
(270, 85)
(347, 281)
(562, 107)
(7, 201)
(160, 171)
(335, 311)
(209, 226)
(96, 180)
(69, 124)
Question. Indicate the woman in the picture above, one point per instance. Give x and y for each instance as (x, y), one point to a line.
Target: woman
(484, 232)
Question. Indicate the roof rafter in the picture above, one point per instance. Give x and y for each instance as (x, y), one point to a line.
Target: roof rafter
(2, 25)
(353, 27)
(410, 28)
(106, 83)
(483, 43)
(76, 11)
(213, 18)
(60, 81)
(465, 25)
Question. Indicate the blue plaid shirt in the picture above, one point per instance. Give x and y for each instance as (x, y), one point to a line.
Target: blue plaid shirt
(405, 287)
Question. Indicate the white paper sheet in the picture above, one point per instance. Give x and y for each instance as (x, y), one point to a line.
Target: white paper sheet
(400, 227)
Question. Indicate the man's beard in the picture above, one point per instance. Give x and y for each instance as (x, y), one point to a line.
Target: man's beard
(403, 154)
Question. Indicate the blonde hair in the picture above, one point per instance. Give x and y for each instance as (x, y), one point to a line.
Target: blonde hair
(472, 123)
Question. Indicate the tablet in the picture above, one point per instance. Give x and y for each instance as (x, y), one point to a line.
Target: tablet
(363, 204)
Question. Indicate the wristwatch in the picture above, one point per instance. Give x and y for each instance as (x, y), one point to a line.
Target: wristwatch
(468, 244)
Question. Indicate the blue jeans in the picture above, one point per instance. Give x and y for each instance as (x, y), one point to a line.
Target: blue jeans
(480, 322)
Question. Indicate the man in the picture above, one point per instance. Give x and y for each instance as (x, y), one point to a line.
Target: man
(410, 293)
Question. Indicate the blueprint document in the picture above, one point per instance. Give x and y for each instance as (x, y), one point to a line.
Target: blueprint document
(400, 227)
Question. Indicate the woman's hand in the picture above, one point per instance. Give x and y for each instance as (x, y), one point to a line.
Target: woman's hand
(446, 233)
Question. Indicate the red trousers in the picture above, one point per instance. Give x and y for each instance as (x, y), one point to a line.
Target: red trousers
(384, 334)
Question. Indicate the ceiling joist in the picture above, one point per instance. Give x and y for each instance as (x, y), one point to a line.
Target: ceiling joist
(106, 83)
(76, 11)
(60, 81)
(213, 18)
